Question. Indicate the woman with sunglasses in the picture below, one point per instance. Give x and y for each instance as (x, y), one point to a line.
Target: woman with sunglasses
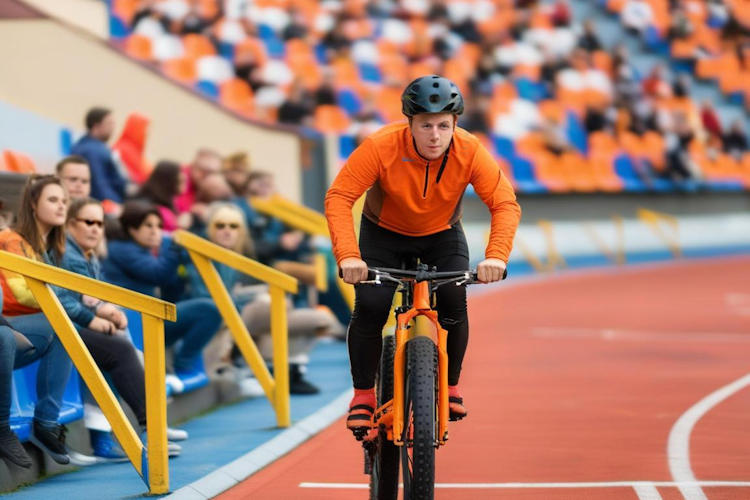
(226, 228)
(142, 259)
(38, 232)
(101, 326)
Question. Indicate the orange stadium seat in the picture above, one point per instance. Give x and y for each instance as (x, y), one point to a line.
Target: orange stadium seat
(183, 70)
(197, 46)
(236, 94)
(604, 174)
(253, 46)
(125, 9)
(18, 162)
(578, 173)
(388, 102)
(139, 47)
(550, 172)
(330, 119)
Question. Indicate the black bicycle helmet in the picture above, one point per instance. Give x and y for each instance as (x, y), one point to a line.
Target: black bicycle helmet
(431, 94)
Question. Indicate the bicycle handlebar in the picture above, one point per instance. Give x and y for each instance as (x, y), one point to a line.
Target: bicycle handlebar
(374, 273)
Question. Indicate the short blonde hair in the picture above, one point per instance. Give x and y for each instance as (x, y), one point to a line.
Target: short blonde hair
(224, 211)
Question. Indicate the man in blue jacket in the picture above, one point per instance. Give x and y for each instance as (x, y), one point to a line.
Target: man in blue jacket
(107, 182)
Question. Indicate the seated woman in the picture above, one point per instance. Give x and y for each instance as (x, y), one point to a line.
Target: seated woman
(101, 326)
(38, 231)
(162, 187)
(226, 228)
(142, 259)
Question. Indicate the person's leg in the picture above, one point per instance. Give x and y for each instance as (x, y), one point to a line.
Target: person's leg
(115, 355)
(54, 367)
(10, 447)
(197, 321)
(51, 380)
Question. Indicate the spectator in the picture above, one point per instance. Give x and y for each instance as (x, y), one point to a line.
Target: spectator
(297, 109)
(326, 93)
(237, 172)
(27, 334)
(75, 176)
(596, 119)
(735, 141)
(161, 189)
(143, 259)
(710, 119)
(101, 326)
(680, 166)
(589, 41)
(6, 219)
(107, 182)
(297, 27)
(205, 163)
(655, 84)
(226, 228)
(679, 24)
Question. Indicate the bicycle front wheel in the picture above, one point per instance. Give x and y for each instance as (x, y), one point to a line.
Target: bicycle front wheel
(418, 452)
(384, 476)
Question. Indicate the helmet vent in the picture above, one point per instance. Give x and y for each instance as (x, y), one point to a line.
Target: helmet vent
(435, 98)
(436, 85)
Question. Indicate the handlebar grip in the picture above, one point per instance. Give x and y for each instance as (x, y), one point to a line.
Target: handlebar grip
(370, 274)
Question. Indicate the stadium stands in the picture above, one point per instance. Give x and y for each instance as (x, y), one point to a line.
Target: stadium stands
(526, 61)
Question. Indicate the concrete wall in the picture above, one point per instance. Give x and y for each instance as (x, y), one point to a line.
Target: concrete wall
(88, 15)
(59, 72)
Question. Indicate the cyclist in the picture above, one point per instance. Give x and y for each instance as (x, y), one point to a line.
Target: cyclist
(416, 174)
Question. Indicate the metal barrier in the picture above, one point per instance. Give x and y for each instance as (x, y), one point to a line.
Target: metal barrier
(151, 461)
(310, 222)
(202, 252)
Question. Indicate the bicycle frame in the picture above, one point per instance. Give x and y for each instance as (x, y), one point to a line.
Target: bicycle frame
(420, 307)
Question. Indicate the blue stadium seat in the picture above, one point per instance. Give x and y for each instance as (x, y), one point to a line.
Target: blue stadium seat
(117, 28)
(66, 141)
(369, 73)
(576, 133)
(226, 50)
(523, 173)
(626, 170)
(505, 147)
(24, 399)
(350, 101)
(207, 88)
(530, 90)
(347, 144)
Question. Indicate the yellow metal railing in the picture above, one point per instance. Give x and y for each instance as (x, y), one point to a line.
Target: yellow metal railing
(657, 221)
(311, 222)
(151, 461)
(202, 252)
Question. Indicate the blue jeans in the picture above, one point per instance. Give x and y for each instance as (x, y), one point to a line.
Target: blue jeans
(54, 368)
(197, 321)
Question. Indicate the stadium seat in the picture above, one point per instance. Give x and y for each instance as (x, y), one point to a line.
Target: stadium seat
(138, 47)
(182, 70)
(197, 46)
(330, 119)
(18, 162)
(237, 95)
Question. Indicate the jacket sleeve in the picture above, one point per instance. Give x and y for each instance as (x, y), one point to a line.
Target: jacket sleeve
(497, 193)
(150, 269)
(100, 162)
(70, 300)
(16, 282)
(358, 174)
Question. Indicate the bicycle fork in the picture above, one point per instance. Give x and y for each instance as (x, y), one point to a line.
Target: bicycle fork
(439, 336)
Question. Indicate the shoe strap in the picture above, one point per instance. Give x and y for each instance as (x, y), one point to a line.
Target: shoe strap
(362, 407)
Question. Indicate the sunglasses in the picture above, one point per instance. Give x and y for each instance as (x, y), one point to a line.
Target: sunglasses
(91, 222)
(222, 225)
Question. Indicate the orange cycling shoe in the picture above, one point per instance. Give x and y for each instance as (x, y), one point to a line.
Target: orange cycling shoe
(361, 409)
(456, 404)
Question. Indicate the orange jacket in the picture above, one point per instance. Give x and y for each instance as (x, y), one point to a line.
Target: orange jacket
(405, 196)
(17, 296)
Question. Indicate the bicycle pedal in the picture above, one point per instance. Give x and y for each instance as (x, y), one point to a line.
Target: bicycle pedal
(360, 432)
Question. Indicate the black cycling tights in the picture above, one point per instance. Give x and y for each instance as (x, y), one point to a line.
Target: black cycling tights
(446, 250)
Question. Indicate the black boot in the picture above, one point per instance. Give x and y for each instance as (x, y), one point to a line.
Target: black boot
(297, 382)
(51, 440)
(12, 449)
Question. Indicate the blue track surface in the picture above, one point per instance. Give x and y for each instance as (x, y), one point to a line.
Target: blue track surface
(215, 439)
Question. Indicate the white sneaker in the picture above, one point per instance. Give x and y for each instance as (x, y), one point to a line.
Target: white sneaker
(250, 387)
(175, 383)
(176, 434)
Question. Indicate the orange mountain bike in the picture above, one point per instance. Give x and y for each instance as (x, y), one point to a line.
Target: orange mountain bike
(411, 420)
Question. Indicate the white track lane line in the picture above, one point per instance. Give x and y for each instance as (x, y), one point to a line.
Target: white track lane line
(647, 491)
(678, 447)
(646, 485)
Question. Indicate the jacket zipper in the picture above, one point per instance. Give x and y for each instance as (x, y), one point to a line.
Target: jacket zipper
(426, 179)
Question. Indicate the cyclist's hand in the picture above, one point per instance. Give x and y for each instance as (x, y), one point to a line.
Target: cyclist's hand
(353, 270)
(490, 270)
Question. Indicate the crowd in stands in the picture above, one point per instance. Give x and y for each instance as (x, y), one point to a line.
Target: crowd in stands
(91, 218)
(561, 111)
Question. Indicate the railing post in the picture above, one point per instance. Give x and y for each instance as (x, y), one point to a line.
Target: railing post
(157, 473)
(280, 356)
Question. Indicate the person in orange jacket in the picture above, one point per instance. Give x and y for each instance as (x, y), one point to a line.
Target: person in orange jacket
(415, 175)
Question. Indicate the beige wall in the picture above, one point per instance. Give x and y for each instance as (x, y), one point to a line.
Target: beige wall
(58, 72)
(89, 15)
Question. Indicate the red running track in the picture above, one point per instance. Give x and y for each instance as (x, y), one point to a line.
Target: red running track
(578, 378)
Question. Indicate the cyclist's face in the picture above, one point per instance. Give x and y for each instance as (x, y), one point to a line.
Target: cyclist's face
(432, 133)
